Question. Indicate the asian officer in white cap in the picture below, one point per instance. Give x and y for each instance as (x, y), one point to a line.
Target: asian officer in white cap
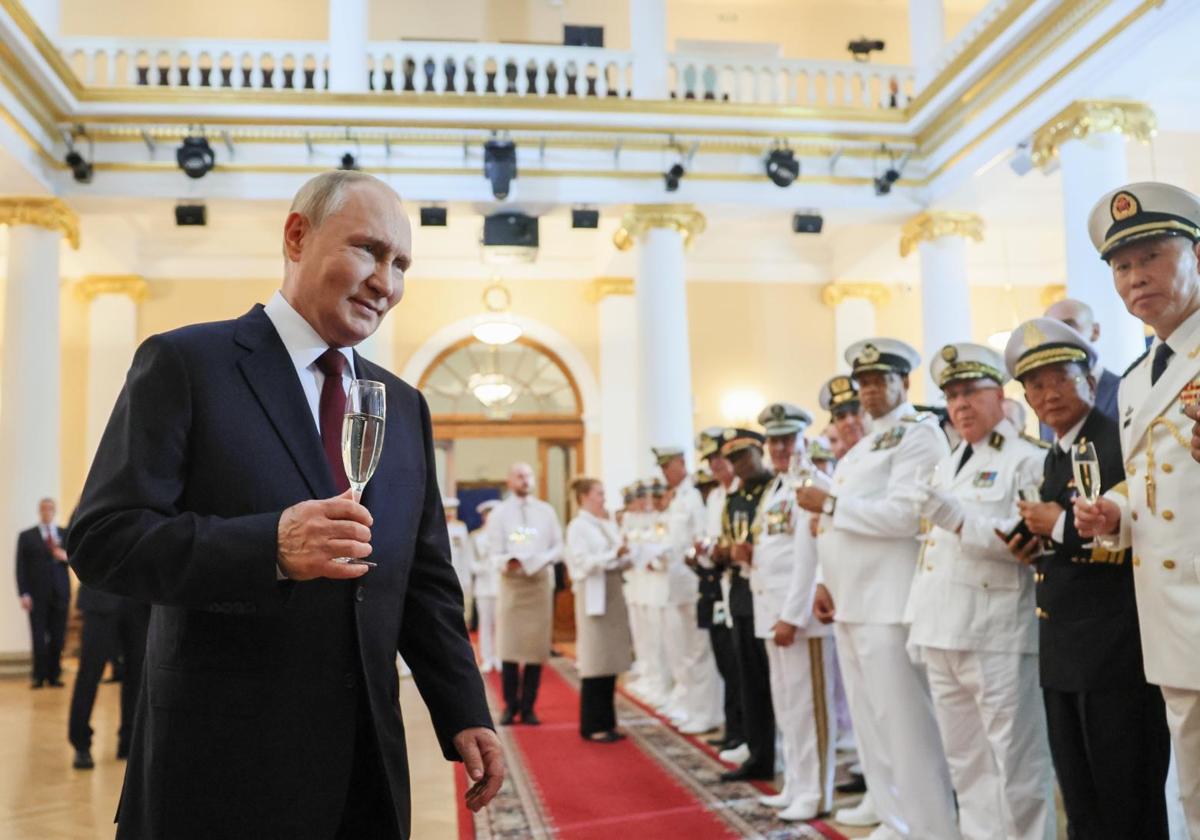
(867, 545)
(1149, 234)
(972, 609)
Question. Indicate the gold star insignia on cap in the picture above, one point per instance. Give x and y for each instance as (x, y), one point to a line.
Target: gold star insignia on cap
(1123, 206)
(949, 353)
(840, 385)
(1034, 337)
(869, 355)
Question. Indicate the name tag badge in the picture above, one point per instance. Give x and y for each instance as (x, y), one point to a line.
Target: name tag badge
(985, 479)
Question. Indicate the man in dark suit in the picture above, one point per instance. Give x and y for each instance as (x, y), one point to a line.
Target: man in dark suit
(269, 704)
(45, 589)
(1107, 727)
(112, 626)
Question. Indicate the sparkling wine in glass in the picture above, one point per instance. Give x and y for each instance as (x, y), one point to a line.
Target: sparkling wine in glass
(800, 468)
(362, 435)
(1086, 466)
(741, 526)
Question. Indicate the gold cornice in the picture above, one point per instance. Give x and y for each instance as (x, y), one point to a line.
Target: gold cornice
(43, 212)
(680, 217)
(603, 287)
(934, 224)
(1052, 294)
(1093, 116)
(92, 286)
(877, 293)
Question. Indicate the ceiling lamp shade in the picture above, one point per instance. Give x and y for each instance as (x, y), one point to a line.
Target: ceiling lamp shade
(496, 327)
(491, 389)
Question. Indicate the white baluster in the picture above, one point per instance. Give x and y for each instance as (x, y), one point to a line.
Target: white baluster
(541, 81)
(522, 75)
(321, 74)
(193, 74)
(439, 74)
(276, 71)
(501, 82)
(376, 64)
(256, 73)
(602, 79)
(460, 72)
(560, 77)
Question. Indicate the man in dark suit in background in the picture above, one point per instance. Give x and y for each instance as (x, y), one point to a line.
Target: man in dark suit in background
(45, 588)
(1078, 316)
(270, 697)
(112, 626)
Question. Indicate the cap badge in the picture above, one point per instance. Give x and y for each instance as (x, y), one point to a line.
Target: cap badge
(778, 412)
(729, 434)
(869, 355)
(1034, 337)
(1124, 205)
(839, 385)
(949, 353)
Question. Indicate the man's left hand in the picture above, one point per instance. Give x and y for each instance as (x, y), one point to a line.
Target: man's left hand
(484, 761)
(942, 509)
(1040, 517)
(59, 554)
(811, 498)
(784, 633)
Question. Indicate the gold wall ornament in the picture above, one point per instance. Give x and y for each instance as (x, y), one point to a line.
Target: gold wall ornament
(603, 287)
(41, 211)
(877, 293)
(935, 224)
(1052, 294)
(684, 218)
(92, 286)
(1093, 116)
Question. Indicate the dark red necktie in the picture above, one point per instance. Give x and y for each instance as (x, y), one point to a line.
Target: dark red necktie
(331, 411)
(51, 543)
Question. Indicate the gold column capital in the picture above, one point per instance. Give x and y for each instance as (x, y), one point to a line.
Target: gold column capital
(1092, 116)
(1052, 294)
(877, 293)
(603, 287)
(684, 218)
(934, 224)
(41, 211)
(93, 285)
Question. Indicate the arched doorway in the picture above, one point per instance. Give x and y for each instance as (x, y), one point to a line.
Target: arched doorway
(494, 405)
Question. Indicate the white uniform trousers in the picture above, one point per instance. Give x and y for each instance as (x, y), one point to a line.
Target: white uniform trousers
(1183, 718)
(802, 694)
(485, 610)
(993, 724)
(637, 635)
(693, 667)
(898, 740)
(654, 684)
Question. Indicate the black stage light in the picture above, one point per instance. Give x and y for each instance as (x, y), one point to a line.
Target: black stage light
(81, 170)
(500, 165)
(191, 215)
(883, 183)
(348, 164)
(433, 217)
(585, 218)
(195, 157)
(782, 167)
(673, 175)
(807, 221)
(861, 49)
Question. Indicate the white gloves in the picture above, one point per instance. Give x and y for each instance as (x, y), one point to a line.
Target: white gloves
(942, 509)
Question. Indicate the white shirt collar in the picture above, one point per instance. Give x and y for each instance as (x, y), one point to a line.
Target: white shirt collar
(882, 424)
(1068, 440)
(300, 340)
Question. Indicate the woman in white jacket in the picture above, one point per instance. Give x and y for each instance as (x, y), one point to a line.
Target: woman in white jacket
(596, 556)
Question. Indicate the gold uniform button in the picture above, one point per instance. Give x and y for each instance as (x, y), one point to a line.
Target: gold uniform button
(929, 567)
(1168, 515)
(1137, 561)
(1038, 577)
(1135, 516)
(1168, 564)
(1168, 468)
(985, 584)
(1041, 613)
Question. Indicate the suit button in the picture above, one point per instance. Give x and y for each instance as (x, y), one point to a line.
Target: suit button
(360, 593)
(1168, 468)
(1168, 515)
(349, 680)
(1135, 516)
(1168, 564)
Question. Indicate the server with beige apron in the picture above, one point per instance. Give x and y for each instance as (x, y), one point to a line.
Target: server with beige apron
(596, 556)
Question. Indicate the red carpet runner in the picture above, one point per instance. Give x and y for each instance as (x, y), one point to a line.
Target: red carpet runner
(565, 787)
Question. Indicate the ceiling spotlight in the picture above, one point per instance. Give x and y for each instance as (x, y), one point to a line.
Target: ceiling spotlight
(673, 175)
(782, 167)
(433, 217)
(348, 163)
(195, 157)
(883, 183)
(861, 49)
(584, 218)
(500, 165)
(81, 170)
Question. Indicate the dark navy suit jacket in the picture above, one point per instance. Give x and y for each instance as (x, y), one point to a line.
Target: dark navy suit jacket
(247, 712)
(39, 575)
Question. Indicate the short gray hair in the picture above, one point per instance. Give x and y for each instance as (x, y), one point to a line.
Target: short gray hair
(322, 196)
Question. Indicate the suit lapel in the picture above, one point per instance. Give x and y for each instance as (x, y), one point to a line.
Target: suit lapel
(272, 377)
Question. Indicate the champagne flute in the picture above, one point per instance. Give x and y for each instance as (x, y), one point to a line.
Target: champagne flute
(1086, 466)
(800, 468)
(1031, 492)
(741, 526)
(362, 437)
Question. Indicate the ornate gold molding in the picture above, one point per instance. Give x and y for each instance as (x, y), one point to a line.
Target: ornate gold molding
(934, 224)
(876, 293)
(1092, 116)
(41, 211)
(93, 285)
(1052, 294)
(680, 217)
(602, 287)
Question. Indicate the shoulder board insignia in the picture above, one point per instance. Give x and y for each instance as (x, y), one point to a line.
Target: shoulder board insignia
(1136, 362)
(1038, 442)
(996, 441)
(919, 417)
(888, 439)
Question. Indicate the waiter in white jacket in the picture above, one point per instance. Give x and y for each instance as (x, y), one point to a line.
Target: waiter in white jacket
(783, 579)
(867, 543)
(972, 609)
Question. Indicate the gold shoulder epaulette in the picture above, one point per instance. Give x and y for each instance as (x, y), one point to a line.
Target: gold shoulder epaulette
(919, 417)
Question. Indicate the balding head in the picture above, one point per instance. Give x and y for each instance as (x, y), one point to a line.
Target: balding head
(1077, 315)
(520, 479)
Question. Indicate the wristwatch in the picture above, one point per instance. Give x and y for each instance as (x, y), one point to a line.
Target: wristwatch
(829, 505)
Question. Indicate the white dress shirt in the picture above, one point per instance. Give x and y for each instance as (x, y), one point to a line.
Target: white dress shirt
(304, 347)
(1065, 443)
(544, 543)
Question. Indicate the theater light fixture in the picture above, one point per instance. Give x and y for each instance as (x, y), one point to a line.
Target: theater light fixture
(348, 164)
(81, 170)
(782, 167)
(496, 326)
(195, 157)
(673, 176)
(500, 165)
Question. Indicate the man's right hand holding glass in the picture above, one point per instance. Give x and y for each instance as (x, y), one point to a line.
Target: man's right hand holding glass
(311, 534)
(1098, 520)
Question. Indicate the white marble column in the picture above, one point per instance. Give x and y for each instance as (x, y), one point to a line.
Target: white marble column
(940, 237)
(617, 315)
(664, 366)
(853, 307)
(1088, 138)
(47, 14)
(30, 461)
(648, 43)
(348, 21)
(926, 36)
(112, 340)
